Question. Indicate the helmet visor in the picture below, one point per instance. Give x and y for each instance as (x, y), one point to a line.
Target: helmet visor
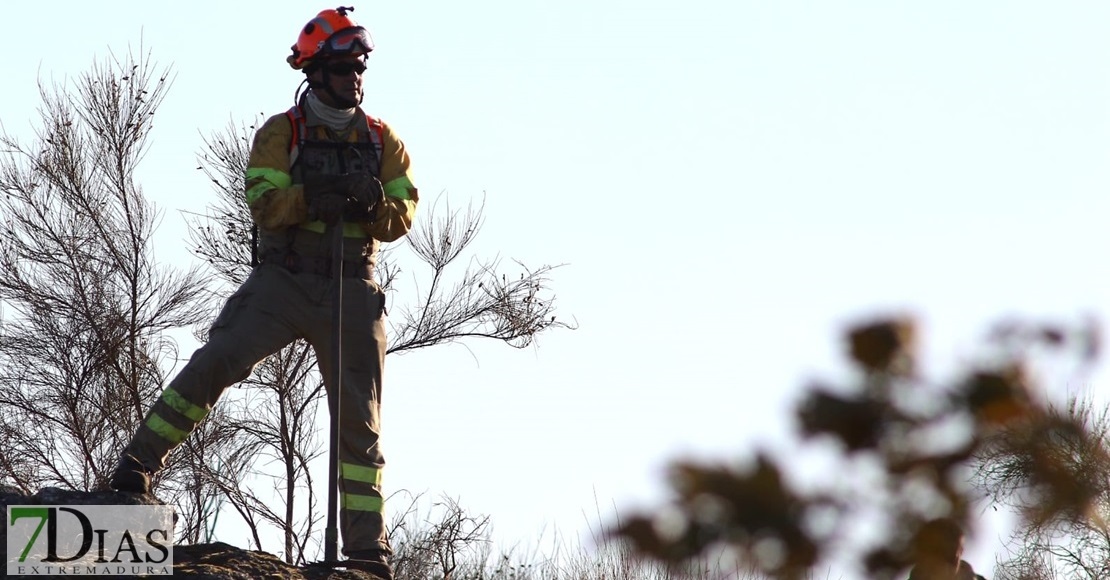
(348, 41)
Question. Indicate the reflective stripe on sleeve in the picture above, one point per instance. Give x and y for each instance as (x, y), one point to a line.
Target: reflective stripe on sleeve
(399, 188)
(195, 413)
(352, 472)
(362, 503)
(165, 430)
(271, 179)
(259, 190)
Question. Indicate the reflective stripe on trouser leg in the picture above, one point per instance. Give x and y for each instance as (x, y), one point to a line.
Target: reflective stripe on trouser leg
(361, 517)
(171, 419)
(244, 333)
(361, 507)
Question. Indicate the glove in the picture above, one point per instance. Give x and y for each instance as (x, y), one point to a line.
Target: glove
(354, 197)
(327, 208)
(363, 192)
(325, 200)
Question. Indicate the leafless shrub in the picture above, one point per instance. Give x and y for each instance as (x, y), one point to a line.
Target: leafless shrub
(87, 305)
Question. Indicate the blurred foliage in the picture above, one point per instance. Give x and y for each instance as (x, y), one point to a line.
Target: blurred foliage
(905, 450)
(1027, 465)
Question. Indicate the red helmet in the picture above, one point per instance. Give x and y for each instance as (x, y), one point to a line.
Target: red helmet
(331, 33)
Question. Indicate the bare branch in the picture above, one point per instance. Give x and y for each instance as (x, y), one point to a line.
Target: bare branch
(83, 342)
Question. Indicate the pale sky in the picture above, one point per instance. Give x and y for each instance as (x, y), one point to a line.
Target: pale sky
(729, 183)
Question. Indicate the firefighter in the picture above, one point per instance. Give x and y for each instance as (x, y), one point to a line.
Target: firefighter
(323, 164)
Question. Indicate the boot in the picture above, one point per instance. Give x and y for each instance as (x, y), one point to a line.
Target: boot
(130, 476)
(371, 561)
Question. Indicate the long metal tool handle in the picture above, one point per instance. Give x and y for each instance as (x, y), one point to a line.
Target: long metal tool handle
(331, 533)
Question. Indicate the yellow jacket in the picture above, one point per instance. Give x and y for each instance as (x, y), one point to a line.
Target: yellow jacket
(277, 202)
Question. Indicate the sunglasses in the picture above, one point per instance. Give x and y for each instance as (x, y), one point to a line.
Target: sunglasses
(342, 69)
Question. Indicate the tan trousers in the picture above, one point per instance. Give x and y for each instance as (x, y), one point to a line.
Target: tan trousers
(270, 310)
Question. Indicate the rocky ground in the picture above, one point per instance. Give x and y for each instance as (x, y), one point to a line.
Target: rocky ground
(216, 561)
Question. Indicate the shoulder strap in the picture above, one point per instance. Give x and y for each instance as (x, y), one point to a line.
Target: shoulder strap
(377, 136)
(376, 128)
(296, 120)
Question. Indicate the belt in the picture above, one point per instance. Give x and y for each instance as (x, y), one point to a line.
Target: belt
(319, 265)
